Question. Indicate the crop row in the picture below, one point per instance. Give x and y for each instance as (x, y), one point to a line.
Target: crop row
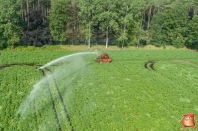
(28, 57)
(122, 95)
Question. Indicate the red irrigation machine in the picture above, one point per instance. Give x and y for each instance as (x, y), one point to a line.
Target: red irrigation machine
(103, 58)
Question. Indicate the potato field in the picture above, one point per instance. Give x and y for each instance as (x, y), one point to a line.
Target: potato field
(140, 90)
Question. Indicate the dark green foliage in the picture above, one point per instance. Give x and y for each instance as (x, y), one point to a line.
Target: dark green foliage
(3, 43)
(37, 31)
(118, 22)
(58, 20)
(10, 28)
(170, 27)
(157, 31)
(88, 11)
(192, 33)
(175, 23)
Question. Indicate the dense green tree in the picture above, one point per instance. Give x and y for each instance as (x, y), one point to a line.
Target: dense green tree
(87, 12)
(107, 18)
(10, 27)
(28, 5)
(192, 33)
(58, 20)
(176, 20)
(157, 30)
(126, 22)
(36, 32)
(135, 31)
(172, 28)
(73, 30)
(125, 17)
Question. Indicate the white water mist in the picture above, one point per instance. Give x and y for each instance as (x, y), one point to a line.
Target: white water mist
(66, 57)
(39, 94)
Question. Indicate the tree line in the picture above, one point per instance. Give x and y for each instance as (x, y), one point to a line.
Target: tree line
(118, 22)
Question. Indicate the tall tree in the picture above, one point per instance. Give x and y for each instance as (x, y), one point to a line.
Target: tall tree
(125, 17)
(172, 26)
(157, 30)
(176, 20)
(107, 18)
(37, 31)
(87, 12)
(192, 6)
(192, 33)
(28, 5)
(136, 31)
(73, 31)
(58, 20)
(10, 23)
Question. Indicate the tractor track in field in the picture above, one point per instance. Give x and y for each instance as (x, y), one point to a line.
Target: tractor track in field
(146, 64)
(150, 64)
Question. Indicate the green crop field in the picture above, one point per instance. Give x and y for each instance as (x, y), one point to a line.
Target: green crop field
(79, 94)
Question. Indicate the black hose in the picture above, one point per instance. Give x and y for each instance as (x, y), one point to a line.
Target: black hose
(61, 98)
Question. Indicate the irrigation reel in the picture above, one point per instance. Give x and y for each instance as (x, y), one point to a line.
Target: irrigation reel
(103, 58)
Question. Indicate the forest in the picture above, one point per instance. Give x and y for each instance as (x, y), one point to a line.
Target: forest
(111, 22)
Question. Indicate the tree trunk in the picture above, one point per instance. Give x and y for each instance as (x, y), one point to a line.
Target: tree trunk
(89, 35)
(22, 17)
(38, 3)
(149, 17)
(194, 12)
(139, 35)
(107, 37)
(28, 13)
(124, 33)
(125, 26)
(51, 3)
(158, 8)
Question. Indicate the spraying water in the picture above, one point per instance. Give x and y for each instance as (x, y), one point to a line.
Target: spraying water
(66, 57)
(55, 82)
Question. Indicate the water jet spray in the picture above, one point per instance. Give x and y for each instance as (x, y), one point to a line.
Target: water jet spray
(66, 57)
(49, 83)
(52, 101)
(61, 98)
